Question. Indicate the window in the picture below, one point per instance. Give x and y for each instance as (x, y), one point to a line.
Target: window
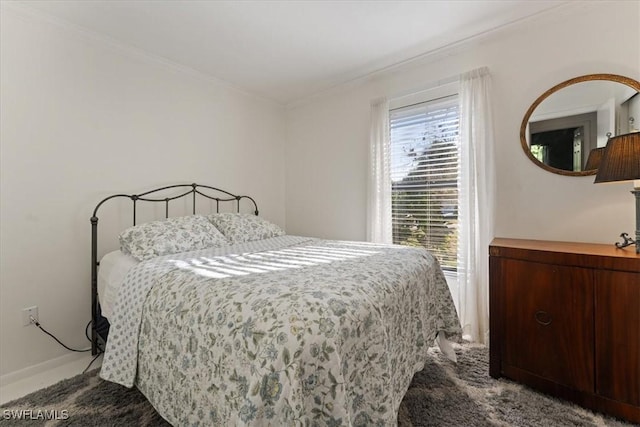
(425, 147)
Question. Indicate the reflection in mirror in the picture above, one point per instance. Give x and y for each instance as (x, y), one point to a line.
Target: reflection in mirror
(595, 156)
(570, 121)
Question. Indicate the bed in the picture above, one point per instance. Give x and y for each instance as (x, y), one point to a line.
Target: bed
(241, 324)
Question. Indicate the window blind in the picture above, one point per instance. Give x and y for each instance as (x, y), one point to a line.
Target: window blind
(424, 173)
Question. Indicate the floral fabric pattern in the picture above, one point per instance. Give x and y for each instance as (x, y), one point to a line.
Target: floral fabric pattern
(170, 236)
(280, 332)
(239, 228)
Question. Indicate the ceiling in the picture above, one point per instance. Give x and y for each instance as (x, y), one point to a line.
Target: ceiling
(288, 50)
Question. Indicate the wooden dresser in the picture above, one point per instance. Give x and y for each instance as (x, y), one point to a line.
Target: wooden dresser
(565, 319)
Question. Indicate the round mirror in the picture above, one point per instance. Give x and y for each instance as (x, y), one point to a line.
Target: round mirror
(566, 129)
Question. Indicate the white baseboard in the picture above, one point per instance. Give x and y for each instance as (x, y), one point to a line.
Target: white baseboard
(39, 368)
(28, 380)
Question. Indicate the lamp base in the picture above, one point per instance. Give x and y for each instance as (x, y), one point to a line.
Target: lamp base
(628, 241)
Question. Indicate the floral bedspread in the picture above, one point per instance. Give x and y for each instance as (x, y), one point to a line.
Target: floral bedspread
(283, 331)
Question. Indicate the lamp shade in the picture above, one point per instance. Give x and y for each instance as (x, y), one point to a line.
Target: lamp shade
(621, 159)
(594, 159)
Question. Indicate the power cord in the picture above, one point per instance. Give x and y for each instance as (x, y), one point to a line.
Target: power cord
(86, 331)
(86, 334)
(92, 360)
(100, 349)
(35, 322)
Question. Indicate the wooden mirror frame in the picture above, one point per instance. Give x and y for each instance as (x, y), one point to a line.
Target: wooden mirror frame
(525, 121)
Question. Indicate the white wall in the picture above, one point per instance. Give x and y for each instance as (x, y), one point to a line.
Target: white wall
(82, 119)
(327, 139)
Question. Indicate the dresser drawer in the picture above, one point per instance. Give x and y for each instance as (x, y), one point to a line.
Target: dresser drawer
(617, 297)
(549, 317)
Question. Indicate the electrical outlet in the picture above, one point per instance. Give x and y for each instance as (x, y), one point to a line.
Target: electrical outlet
(27, 313)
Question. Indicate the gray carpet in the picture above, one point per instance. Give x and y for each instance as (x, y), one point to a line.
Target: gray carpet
(443, 394)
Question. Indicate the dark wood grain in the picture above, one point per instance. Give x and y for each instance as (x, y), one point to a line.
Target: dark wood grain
(496, 307)
(589, 255)
(549, 321)
(565, 319)
(618, 336)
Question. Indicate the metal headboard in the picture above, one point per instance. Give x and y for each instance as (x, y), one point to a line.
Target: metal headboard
(99, 325)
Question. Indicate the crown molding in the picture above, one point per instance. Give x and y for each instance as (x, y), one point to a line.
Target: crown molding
(434, 54)
(29, 13)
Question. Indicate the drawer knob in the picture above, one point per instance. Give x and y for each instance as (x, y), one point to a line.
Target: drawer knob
(543, 318)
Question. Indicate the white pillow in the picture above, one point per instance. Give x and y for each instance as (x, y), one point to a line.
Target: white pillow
(239, 228)
(170, 236)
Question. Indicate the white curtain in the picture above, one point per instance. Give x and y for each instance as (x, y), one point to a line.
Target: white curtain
(475, 204)
(379, 194)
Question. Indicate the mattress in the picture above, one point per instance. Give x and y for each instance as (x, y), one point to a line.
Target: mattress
(113, 269)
